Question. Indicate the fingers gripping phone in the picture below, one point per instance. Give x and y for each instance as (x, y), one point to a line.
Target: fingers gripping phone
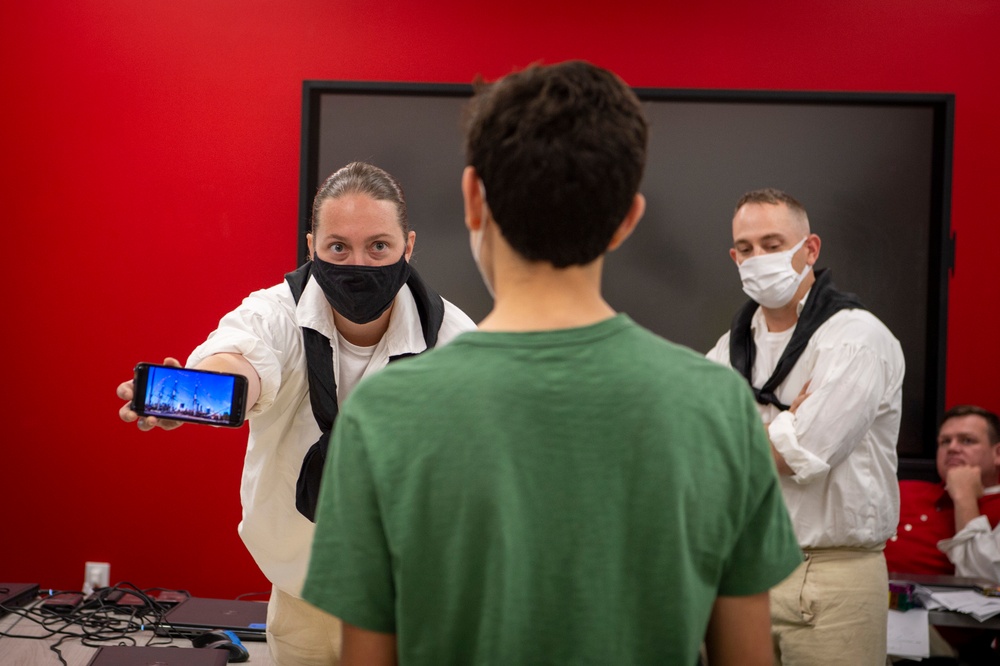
(195, 396)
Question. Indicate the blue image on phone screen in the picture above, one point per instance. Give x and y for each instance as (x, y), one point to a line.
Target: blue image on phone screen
(181, 393)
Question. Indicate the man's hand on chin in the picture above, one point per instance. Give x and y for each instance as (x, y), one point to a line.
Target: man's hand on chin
(965, 486)
(964, 483)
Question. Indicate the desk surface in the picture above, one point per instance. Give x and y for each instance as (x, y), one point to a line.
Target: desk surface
(25, 641)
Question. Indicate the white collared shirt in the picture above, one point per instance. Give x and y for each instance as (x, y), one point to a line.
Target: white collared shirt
(841, 442)
(265, 329)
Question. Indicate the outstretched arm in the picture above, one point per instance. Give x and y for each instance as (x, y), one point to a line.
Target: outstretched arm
(231, 363)
(235, 364)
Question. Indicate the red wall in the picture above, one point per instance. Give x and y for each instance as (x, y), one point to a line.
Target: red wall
(150, 171)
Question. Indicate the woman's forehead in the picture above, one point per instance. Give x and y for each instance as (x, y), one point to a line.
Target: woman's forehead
(357, 215)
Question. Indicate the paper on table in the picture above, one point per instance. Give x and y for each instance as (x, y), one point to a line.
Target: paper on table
(909, 634)
(975, 604)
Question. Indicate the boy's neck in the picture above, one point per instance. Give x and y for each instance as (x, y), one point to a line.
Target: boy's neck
(539, 297)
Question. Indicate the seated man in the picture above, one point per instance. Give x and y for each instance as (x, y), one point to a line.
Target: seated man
(951, 528)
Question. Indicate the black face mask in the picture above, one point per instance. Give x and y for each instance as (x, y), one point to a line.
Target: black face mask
(361, 293)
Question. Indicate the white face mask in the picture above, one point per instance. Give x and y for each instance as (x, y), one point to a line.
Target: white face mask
(770, 279)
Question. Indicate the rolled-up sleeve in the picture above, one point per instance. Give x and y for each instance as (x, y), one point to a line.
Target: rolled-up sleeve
(807, 467)
(847, 387)
(975, 550)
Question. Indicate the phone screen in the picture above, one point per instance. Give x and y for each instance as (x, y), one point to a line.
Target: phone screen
(196, 396)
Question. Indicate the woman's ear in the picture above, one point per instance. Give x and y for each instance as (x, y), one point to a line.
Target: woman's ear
(411, 238)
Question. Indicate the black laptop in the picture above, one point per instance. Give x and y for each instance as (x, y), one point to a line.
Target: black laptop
(15, 595)
(137, 655)
(197, 615)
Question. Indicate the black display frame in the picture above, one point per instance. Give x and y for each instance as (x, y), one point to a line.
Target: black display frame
(940, 257)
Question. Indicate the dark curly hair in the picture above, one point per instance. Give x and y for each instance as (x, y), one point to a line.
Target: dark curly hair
(561, 151)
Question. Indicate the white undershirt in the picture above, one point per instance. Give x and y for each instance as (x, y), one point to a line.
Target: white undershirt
(770, 348)
(353, 360)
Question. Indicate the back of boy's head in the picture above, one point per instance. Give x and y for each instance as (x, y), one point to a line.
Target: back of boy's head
(560, 150)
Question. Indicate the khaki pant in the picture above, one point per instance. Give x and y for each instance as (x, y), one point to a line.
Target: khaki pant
(832, 610)
(299, 634)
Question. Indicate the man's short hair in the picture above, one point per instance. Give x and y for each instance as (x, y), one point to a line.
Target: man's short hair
(560, 150)
(775, 197)
(992, 421)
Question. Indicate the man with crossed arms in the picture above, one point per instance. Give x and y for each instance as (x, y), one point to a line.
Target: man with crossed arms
(828, 379)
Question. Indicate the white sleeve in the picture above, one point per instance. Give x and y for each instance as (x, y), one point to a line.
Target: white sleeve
(454, 323)
(261, 329)
(846, 389)
(805, 465)
(975, 550)
(720, 352)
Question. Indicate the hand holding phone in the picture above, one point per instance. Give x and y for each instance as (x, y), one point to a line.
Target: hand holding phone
(167, 395)
(126, 391)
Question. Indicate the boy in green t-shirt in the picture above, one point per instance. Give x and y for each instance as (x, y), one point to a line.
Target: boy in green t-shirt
(560, 486)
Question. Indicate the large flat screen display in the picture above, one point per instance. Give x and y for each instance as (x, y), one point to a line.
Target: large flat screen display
(872, 169)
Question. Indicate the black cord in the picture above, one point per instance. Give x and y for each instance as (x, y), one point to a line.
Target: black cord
(96, 620)
(101, 618)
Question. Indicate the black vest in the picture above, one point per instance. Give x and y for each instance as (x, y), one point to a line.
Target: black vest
(323, 385)
(824, 301)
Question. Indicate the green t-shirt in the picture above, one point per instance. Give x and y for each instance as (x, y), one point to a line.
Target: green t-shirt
(578, 496)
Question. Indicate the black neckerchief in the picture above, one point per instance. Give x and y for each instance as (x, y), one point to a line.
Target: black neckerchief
(323, 386)
(823, 302)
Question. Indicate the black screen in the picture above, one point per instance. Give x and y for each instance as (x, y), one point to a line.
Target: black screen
(872, 170)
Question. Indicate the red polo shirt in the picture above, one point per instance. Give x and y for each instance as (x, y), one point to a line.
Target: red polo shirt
(926, 516)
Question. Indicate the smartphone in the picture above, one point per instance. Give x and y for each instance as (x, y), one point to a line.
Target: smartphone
(195, 396)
